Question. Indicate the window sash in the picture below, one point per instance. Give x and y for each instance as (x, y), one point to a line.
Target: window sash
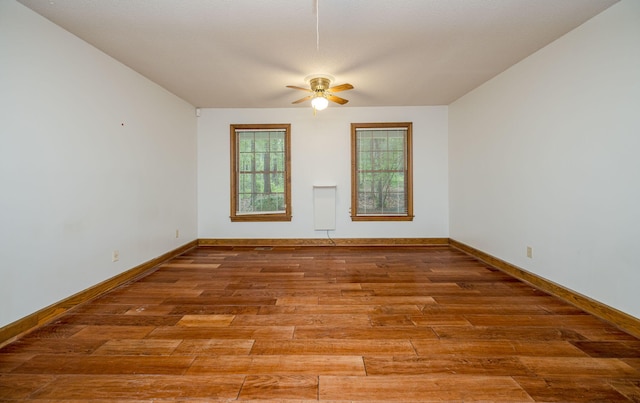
(260, 173)
(381, 171)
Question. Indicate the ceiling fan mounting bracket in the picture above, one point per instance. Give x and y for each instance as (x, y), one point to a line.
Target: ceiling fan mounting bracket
(329, 77)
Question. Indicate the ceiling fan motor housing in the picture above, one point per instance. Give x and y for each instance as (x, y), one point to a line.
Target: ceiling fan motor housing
(319, 84)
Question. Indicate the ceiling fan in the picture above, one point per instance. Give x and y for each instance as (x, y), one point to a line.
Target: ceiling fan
(322, 92)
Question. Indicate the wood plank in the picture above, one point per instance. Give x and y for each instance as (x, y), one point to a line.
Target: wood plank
(10, 361)
(632, 362)
(56, 331)
(215, 310)
(208, 347)
(230, 332)
(279, 387)
(422, 388)
(16, 387)
(332, 347)
(337, 320)
(218, 300)
(609, 349)
(412, 365)
(628, 388)
(537, 320)
(495, 348)
(520, 333)
(150, 347)
(570, 389)
(339, 309)
(440, 320)
(602, 333)
(297, 300)
(579, 366)
(392, 300)
(120, 320)
(31, 345)
(105, 364)
(279, 365)
(113, 332)
(124, 387)
(375, 332)
(501, 309)
(206, 320)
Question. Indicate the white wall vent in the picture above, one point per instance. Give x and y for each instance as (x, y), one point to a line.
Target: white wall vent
(324, 207)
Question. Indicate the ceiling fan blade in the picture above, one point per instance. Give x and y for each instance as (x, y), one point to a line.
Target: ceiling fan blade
(336, 99)
(299, 88)
(302, 99)
(341, 87)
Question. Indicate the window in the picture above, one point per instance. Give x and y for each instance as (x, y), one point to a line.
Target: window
(260, 172)
(381, 177)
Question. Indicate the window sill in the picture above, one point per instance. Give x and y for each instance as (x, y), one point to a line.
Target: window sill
(382, 218)
(260, 218)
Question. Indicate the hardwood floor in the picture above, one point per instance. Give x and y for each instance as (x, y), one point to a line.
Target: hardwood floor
(328, 324)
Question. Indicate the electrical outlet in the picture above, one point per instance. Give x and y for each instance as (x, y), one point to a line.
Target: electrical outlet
(116, 256)
(529, 252)
(177, 233)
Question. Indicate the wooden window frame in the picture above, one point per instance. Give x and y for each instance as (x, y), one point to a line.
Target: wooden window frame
(235, 217)
(355, 216)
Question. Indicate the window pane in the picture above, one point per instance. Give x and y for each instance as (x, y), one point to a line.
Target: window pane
(378, 142)
(246, 162)
(245, 203)
(396, 143)
(259, 184)
(267, 202)
(396, 159)
(261, 158)
(364, 141)
(277, 162)
(277, 183)
(245, 143)
(246, 183)
(277, 142)
(364, 161)
(262, 141)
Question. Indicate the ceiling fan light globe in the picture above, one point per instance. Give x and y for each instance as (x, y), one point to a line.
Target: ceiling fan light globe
(319, 103)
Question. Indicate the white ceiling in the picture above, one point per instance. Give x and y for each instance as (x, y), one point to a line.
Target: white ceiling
(242, 53)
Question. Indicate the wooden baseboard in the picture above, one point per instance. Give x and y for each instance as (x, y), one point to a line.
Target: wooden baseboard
(618, 318)
(325, 242)
(15, 329)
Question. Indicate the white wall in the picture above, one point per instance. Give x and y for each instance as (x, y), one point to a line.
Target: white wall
(321, 155)
(546, 155)
(93, 158)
